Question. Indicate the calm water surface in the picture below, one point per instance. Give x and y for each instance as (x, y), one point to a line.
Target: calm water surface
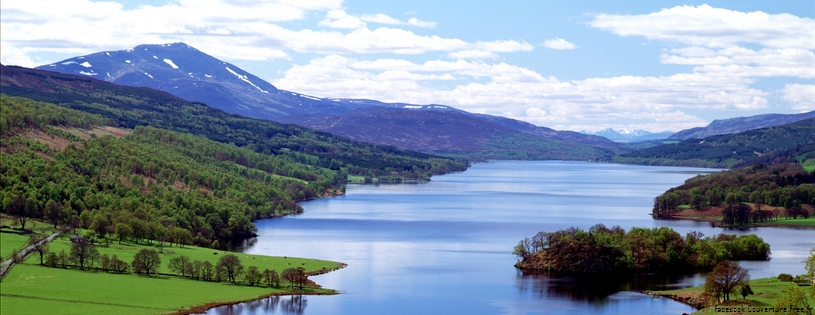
(444, 247)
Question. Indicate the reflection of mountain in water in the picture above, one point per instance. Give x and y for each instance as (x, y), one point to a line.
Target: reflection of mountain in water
(294, 304)
(598, 288)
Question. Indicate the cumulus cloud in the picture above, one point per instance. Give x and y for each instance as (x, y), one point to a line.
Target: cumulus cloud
(559, 44)
(660, 103)
(801, 96)
(713, 27)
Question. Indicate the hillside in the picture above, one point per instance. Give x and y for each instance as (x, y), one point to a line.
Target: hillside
(726, 150)
(65, 166)
(768, 189)
(628, 136)
(740, 124)
(128, 107)
(457, 133)
(188, 73)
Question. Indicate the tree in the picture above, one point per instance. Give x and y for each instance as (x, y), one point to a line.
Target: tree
(207, 271)
(23, 208)
(252, 276)
(146, 261)
(745, 291)
(53, 212)
(83, 252)
(230, 266)
(100, 225)
(39, 245)
(295, 276)
(725, 277)
(180, 265)
(123, 231)
(118, 265)
(271, 278)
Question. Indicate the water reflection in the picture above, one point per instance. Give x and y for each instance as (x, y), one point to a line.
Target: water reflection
(291, 305)
(597, 288)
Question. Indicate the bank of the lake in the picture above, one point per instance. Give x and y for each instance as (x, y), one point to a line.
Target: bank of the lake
(766, 291)
(713, 215)
(33, 288)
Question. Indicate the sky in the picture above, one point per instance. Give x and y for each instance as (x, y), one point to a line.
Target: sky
(567, 65)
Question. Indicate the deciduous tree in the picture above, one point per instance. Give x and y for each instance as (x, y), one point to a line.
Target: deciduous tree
(726, 276)
(230, 266)
(146, 261)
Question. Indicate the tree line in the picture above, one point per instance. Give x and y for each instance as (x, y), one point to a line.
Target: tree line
(604, 250)
(84, 255)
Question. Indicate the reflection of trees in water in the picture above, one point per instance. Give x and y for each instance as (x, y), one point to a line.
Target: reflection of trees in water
(240, 245)
(593, 288)
(295, 304)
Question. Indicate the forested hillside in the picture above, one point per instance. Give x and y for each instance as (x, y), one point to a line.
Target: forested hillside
(745, 193)
(128, 107)
(58, 164)
(727, 150)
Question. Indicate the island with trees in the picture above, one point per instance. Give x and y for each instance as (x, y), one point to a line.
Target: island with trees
(613, 250)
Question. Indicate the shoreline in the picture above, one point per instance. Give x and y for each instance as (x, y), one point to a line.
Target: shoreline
(201, 309)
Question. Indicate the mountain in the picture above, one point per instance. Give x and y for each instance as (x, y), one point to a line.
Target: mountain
(129, 107)
(729, 150)
(448, 131)
(739, 124)
(188, 73)
(630, 135)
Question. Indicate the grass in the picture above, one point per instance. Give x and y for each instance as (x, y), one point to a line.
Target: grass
(9, 242)
(356, 178)
(767, 291)
(31, 288)
(127, 250)
(35, 289)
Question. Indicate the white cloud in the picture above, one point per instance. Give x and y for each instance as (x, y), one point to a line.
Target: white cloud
(559, 43)
(713, 27)
(386, 19)
(340, 19)
(801, 96)
(472, 54)
(660, 103)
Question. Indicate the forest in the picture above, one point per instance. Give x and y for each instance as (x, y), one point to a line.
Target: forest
(151, 184)
(786, 185)
(129, 107)
(605, 250)
(728, 150)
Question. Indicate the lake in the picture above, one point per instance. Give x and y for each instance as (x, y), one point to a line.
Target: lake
(445, 246)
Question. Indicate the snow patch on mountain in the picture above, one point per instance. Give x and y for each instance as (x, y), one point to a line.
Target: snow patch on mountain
(86, 64)
(147, 74)
(245, 79)
(68, 63)
(170, 62)
(88, 73)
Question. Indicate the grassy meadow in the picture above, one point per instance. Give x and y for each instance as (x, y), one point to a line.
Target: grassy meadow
(34, 289)
(766, 292)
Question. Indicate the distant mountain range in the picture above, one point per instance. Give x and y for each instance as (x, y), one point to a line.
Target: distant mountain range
(188, 73)
(629, 135)
(739, 124)
(735, 149)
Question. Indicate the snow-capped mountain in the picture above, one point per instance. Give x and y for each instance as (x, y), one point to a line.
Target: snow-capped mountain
(188, 73)
(625, 135)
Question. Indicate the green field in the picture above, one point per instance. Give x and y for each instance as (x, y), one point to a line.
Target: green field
(9, 242)
(33, 289)
(767, 291)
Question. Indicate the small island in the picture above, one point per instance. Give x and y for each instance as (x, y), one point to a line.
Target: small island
(613, 250)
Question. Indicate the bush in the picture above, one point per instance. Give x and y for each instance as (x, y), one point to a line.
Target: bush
(785, 277)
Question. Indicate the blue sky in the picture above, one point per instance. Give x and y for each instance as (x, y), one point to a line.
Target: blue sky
(574, 65)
